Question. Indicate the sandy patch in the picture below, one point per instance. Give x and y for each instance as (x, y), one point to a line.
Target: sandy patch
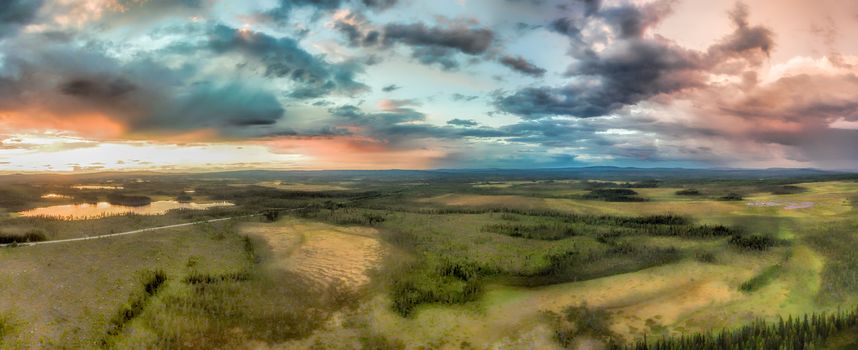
(297, 186)
(473, 200)
(325, 254)
(785, 205)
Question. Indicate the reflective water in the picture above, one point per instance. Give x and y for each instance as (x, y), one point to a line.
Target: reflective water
(100, 209)
(55, 196)
(97, 187)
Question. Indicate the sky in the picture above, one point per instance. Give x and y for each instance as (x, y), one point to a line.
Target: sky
(187, 85)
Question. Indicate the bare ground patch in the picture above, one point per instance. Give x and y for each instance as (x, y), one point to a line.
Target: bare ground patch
(324, 254)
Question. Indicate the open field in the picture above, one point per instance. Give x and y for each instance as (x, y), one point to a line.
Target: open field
(515, 264)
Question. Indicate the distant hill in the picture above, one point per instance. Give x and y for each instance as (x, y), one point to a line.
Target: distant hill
(459, 175)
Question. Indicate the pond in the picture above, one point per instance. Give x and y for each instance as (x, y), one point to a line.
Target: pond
(97, 187)
(101, 209)
(55, 196)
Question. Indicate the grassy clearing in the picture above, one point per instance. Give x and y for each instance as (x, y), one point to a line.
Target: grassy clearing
(262, 300)
(66, 295)
(837, 241)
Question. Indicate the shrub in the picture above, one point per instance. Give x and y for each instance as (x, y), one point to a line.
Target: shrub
(706, 257)
(614, 195)
(152, 282)
(576, 321)
(788, 189)
(761, 280)
(752, 242)
(732, 197)
(688, 192)
(29, 236)
(447, 282)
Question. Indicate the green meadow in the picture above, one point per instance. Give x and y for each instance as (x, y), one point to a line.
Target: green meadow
(436, 263)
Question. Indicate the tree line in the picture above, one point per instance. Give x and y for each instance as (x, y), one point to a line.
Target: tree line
(807, 332)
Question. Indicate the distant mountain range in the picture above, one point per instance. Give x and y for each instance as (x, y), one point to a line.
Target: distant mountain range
(595, 172)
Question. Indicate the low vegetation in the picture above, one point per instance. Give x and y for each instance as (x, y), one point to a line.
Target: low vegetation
(538, 231)
(573, 265)
(837, 243)
(581, 320)
(6, 326)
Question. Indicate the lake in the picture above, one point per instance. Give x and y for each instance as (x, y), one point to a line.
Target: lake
(100, 209)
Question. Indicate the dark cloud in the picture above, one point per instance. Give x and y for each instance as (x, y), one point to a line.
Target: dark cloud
(441, 56)
(522, 65)
(462, 122)
(631, 21)
(284, 58)
(471, 41)
(214, 106)
(17, 13)
(282, 11)
(523, 27)
(592, 6)
(60, 80)
(390, 88)
(459, 97)
(379, 4)
(402, 127)
(435, 45)
(97, 89)
(631, 67)
(751, 43)
(285, 7)
(572, 100)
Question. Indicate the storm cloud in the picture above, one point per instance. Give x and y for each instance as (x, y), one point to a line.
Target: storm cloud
(632, 67)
